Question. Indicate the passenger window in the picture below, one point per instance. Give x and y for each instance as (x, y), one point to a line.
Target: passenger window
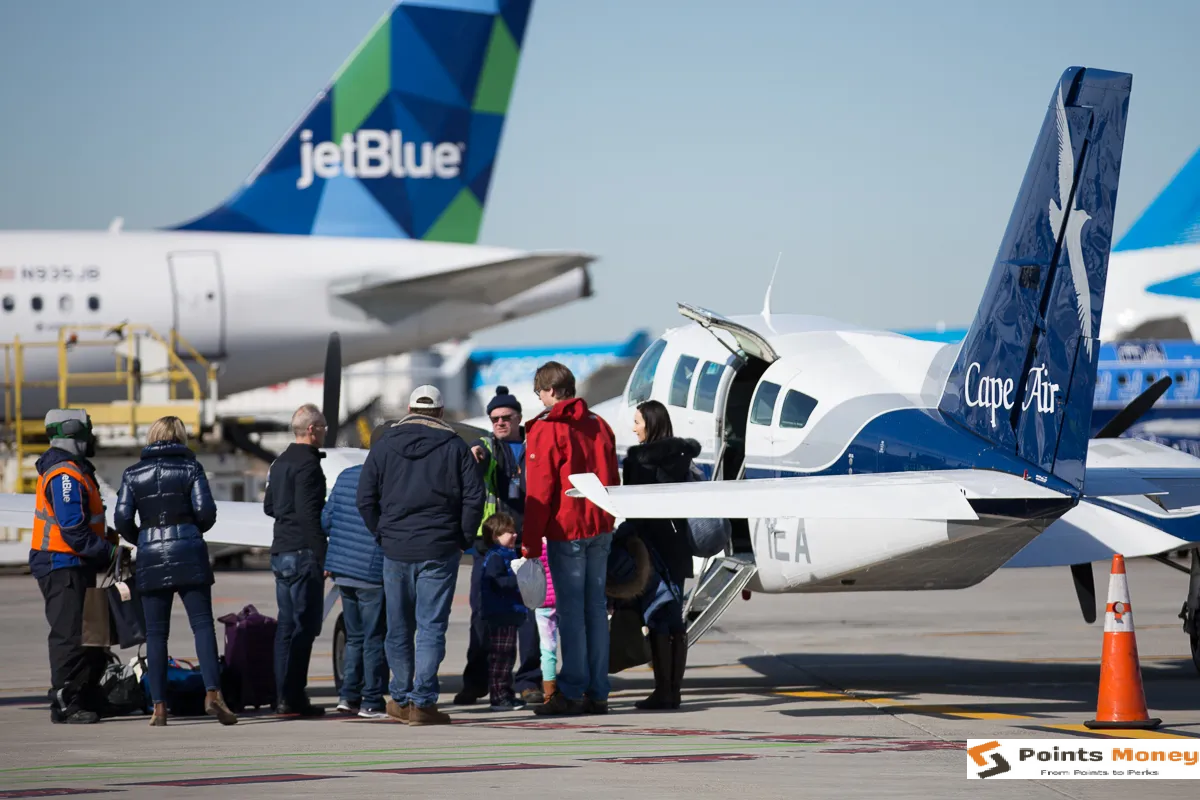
(797, 408)
(706, 389)
(65, 303)
(642, 381)
(9, 302)
(764, 403)
(681, 381)
(36, 302)
(94, 302)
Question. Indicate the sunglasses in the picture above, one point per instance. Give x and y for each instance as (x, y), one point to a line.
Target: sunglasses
(503, 418)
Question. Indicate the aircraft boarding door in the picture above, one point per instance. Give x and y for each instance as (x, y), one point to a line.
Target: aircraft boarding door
(199, 302)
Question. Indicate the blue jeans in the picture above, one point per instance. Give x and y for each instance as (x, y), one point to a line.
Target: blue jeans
(579, 570)
(299, 593)
(419, 595)
(157, 606)
(364, 674)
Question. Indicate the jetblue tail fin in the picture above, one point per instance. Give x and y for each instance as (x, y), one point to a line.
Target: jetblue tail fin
(1174, 216)
(1026, 371)
(403, 141)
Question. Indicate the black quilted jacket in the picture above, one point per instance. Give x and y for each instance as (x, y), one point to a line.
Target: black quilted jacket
(168, 492)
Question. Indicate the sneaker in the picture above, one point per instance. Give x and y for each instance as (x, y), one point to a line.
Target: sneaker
(427, 715)
(345, 707)
(373, 713)
(504, 705)
(63, 713)
(559, 704)
(398, 712)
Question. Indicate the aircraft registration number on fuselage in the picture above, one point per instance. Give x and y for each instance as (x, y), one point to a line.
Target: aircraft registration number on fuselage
(39, 273)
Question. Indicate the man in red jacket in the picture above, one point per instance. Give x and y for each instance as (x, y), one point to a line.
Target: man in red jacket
(564, 440)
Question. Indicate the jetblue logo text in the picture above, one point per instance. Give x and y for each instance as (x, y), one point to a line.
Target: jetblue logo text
(372, 154)
(982, 391)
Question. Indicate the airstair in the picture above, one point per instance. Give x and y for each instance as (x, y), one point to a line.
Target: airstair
(149, 379)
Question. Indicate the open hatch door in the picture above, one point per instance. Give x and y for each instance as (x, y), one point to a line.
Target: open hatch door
(750, 342)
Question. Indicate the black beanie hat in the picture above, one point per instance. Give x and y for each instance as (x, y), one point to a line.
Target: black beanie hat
(503, 400)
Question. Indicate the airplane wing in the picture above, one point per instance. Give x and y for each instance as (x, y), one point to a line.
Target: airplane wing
(390, 299)
(238, 522)
(943, 494)
(1125, 468)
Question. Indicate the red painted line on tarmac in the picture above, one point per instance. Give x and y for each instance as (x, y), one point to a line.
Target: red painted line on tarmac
(670, 732)
(698, 758)
(58, 792)
(465, 768)
(237, 779)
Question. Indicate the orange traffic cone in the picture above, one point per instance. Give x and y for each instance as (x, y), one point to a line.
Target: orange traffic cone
(1122, 702)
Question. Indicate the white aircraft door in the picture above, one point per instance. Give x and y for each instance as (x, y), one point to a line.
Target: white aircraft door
(199, 301)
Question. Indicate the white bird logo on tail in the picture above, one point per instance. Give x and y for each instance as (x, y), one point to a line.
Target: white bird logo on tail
(1075, 222)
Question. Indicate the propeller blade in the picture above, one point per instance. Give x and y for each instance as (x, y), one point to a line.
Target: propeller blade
(1085, 590)
(1132, 412)
(333, 388)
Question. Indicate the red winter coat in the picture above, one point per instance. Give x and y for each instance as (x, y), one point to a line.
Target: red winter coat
(566, 440)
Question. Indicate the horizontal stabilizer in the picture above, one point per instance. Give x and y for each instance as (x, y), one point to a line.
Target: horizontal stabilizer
(942, 495)
(1125, 467)
(389, 299)
(1091, 532)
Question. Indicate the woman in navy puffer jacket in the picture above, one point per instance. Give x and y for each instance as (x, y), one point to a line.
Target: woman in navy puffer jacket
(169, 493)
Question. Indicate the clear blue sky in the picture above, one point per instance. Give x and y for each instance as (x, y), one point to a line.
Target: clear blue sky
(878, 145)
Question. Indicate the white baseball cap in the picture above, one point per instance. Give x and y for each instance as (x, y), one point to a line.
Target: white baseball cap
(426, 396)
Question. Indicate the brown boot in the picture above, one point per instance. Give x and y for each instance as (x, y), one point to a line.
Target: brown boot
(549, 687)
(160, 715)
(429, 715)
(398, 712)
(214, 706)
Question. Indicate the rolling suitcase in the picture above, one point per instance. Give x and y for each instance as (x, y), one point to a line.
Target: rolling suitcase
(248, 666)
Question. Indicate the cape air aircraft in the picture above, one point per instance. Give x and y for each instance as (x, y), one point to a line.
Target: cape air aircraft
(849, 459)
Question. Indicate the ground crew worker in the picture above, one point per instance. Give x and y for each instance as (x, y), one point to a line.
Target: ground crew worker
(501, 456)
(70, 544)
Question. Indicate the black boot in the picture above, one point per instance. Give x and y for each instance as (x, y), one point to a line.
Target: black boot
(679, 648)
(660, 659)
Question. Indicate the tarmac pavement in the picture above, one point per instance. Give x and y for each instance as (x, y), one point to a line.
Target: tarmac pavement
(829, 695)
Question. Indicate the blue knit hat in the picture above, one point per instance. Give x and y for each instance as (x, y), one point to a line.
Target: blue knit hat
(503, 400)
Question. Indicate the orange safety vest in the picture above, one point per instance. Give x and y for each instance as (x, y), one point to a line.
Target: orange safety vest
(47, 535)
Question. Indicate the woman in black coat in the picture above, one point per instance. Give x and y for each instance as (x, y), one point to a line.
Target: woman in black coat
(169, 493)
(662, 457)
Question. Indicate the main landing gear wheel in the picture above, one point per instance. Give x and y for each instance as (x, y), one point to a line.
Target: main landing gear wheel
(339, 651)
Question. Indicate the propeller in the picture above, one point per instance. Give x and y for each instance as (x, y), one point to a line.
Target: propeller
(1130, 414)
(1081, 574)
(333, 388)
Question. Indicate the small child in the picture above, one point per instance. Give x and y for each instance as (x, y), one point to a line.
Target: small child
(502, 608)
(547, 625)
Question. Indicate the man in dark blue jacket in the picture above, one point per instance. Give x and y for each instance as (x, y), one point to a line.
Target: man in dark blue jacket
(421, 494)
(355, 562)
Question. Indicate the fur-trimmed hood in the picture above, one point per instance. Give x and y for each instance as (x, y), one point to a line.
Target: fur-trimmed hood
(629, 568)
(661, 461)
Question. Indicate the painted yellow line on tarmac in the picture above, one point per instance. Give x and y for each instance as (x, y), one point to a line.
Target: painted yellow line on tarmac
(907, 708)
(1120, 733)
(1090, 659)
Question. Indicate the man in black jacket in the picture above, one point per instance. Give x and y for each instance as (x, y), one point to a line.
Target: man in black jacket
(421, 494)
(295, 497)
